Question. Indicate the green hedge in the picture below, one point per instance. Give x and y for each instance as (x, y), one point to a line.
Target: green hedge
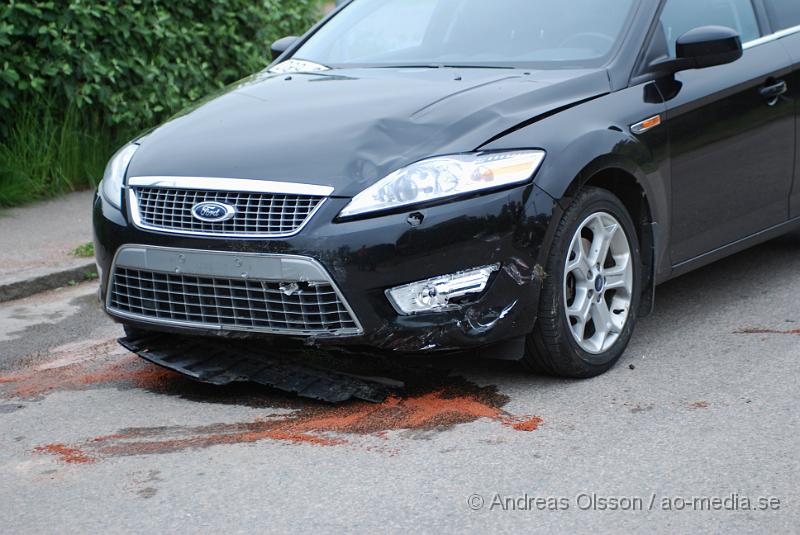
(80, 77)
(137, 59)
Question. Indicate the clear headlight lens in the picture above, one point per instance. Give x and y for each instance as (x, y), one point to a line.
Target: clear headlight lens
(446, 176)
(114, 176)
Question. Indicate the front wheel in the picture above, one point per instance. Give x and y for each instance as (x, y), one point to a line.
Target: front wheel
(589, 299)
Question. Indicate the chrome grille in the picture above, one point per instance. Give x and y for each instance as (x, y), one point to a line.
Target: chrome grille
(257, 214)
(231, 304)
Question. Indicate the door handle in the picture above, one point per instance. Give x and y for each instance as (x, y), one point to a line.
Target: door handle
(774, 91)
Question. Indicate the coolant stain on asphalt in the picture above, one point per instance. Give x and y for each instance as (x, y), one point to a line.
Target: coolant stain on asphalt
(437, 406)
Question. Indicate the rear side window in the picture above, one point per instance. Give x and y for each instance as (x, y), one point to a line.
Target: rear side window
(783, 13)
(680, 16)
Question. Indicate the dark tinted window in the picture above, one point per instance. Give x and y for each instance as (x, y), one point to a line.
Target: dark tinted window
(784, 13)
(680, 16)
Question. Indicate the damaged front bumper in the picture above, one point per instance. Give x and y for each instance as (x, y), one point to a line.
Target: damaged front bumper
(359, 261)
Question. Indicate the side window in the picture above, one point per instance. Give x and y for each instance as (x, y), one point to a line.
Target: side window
(680, 16)
(783, 13)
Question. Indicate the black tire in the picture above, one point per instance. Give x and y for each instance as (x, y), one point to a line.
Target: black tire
(551, 347)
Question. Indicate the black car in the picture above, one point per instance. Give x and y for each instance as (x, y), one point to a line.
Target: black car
(418, 176)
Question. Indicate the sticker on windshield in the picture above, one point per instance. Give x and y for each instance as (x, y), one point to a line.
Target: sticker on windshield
(297, 65)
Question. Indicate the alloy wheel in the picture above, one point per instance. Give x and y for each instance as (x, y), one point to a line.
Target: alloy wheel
(598, 283)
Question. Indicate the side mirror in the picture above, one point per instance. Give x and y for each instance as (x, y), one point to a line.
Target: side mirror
(706, 46)
(709, 46)
(282, 45)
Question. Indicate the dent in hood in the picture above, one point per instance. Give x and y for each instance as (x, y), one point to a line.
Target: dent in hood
(349, 128)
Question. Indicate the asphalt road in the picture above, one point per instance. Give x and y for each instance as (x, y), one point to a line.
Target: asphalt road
(701, 413)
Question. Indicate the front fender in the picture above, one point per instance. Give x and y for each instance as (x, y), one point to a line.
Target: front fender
(594, 137)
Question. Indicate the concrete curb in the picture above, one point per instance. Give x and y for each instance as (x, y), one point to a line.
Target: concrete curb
(17, 288)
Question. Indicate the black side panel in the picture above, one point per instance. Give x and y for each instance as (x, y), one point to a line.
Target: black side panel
(792, 45)
(732, 152)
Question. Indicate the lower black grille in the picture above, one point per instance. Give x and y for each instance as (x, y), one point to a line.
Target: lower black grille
(234, 304)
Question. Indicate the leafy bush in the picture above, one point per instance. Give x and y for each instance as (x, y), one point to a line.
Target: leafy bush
(137, 59)
(79, 76)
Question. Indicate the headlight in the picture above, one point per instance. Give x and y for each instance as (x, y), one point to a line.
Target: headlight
(114, 176)
(444, 177)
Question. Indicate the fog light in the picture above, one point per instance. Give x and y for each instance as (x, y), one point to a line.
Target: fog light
(437, 294)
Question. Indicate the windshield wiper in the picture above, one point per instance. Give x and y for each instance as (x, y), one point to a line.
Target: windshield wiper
(421, 66)
(478, 67)
(441, 66)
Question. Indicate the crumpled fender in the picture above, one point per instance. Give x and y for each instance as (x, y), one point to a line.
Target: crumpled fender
(595, 136)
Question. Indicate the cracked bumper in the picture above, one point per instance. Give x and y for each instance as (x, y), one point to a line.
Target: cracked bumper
(364, 258)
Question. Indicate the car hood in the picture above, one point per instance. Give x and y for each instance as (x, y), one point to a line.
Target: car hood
(350, 128)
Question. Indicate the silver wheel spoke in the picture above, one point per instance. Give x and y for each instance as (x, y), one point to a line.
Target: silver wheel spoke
(601, 317)
(580, 262)
(619, 313)
(580, 310)
(601, 243)
(617, 276)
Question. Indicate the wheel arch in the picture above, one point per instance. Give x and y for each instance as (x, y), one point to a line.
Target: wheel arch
(599, 154)
(621, 180)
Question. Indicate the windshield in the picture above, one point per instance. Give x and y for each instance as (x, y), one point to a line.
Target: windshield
(496, 33)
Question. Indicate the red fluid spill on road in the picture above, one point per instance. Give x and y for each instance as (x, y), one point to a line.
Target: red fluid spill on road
(66, 454)
(530, 424)
(752, 330)
(321, 425)
(98, 364)
(436, 408)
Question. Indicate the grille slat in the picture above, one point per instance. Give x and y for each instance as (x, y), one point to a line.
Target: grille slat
(257, 214)
(230, 303)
